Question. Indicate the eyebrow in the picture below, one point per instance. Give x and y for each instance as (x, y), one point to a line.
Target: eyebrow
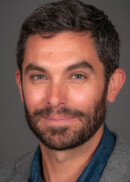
(32, 67)
(82, 64)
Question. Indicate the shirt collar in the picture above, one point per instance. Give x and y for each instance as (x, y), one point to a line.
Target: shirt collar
(92, 171)
(36, 168)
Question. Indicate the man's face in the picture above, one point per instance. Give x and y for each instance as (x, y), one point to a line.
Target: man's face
(63, 89)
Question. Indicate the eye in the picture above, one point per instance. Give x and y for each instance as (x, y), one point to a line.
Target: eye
(78, 76)
(38, 77)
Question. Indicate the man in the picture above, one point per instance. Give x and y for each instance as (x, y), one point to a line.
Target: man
(68, 60)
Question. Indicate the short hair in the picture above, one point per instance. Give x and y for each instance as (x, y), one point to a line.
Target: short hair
(76, 16)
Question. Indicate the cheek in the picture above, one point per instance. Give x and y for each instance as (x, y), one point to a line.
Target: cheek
(81, 98)
(85, 96)
(34, 97)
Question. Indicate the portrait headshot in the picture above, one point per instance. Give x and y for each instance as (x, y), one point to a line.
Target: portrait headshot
(64, 91)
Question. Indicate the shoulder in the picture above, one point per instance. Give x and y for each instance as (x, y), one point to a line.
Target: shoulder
(118, 165)
(17, 170)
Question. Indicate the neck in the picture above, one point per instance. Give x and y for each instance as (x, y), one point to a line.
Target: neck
(56, 164)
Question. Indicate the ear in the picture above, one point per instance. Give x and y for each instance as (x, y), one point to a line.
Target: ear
(18, 81)
(115, 84)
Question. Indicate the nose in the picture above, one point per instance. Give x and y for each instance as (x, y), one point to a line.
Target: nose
(57, 94)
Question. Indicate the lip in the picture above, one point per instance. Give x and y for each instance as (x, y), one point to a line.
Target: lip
(58, 119)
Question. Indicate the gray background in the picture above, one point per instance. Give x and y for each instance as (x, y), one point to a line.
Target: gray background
(15, 136)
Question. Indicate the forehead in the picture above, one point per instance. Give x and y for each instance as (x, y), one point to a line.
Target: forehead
(63, 48)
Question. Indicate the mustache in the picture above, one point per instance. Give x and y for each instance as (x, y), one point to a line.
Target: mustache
(48, 111)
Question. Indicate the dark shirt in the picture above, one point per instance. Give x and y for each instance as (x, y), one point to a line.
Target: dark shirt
(93, 171)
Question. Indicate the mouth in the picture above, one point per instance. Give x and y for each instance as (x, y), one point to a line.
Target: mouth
(58, 119)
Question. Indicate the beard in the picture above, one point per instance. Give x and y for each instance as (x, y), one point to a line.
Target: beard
(66, 137)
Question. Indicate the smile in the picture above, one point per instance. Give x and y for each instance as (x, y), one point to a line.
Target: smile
(58, 119)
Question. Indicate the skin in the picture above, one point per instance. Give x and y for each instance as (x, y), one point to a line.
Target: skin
(53, 75)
